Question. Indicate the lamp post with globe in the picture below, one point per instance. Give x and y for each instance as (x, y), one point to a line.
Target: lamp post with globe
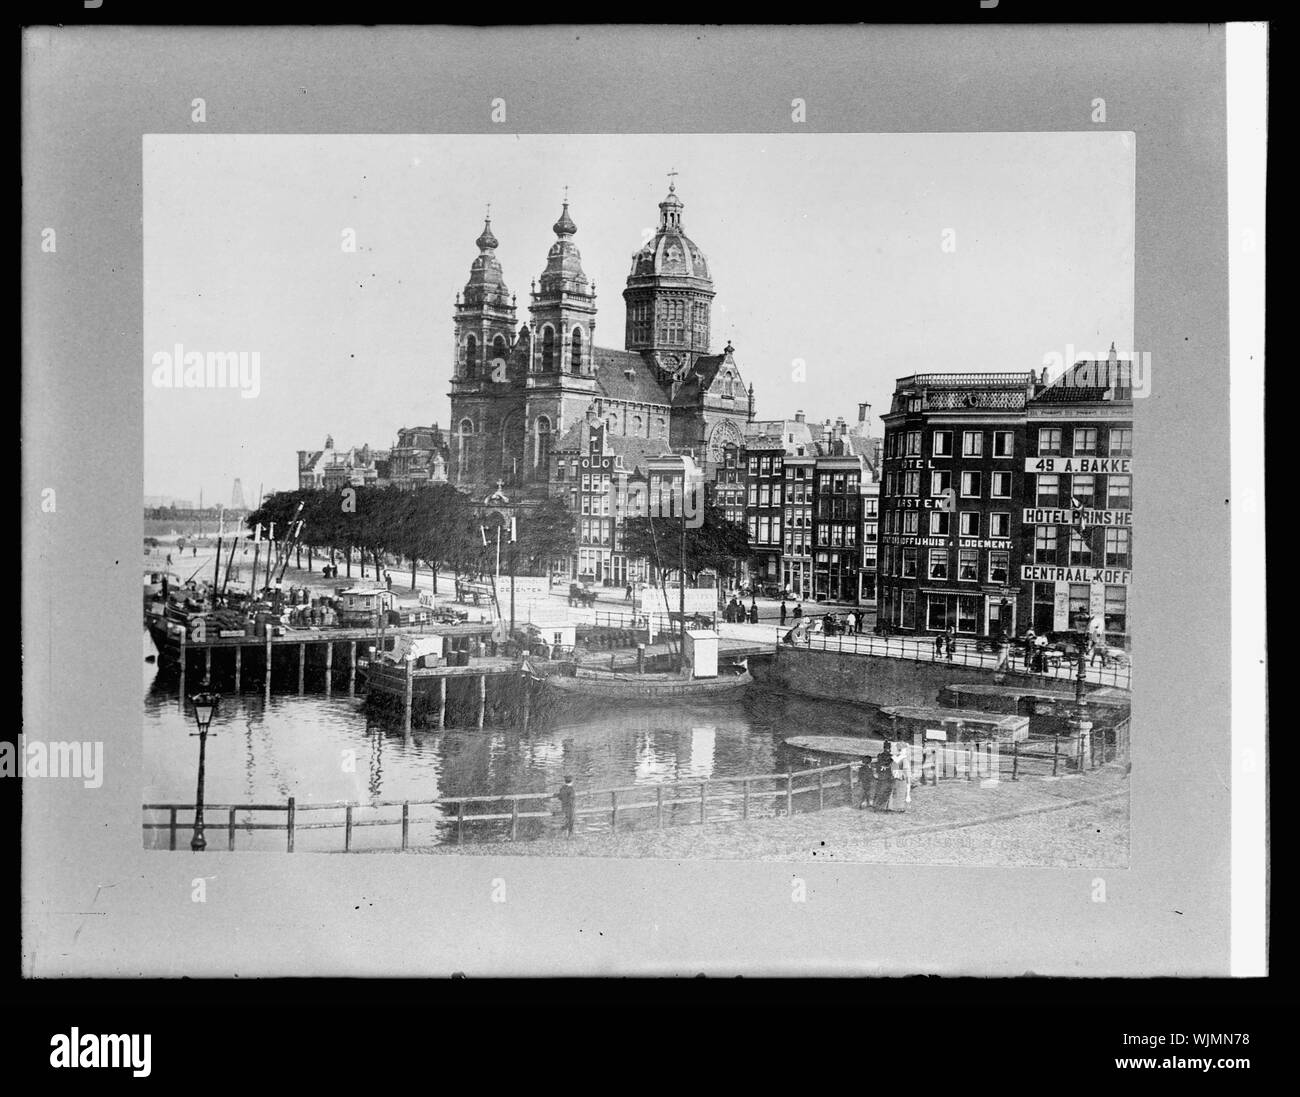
(205, 706)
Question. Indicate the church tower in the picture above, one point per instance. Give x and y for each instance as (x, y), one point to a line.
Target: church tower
(669, 296)
(484, 333)
(561, 371)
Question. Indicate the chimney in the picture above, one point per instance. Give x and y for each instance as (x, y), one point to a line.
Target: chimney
(841, 427)
(798, 416)
(863, 411)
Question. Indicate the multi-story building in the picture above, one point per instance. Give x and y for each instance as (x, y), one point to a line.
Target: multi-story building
(950, 529)
(796, 555)
(1078, 505)
(764, 484)
(418, 458)
(870, 538)
(837, 526)
(728, 487)
(594, 484)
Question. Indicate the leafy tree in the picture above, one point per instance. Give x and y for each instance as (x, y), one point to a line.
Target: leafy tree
(716, 543)
(438, 529)
(542, 535)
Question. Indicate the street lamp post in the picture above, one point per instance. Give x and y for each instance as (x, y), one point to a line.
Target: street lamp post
(205, 707)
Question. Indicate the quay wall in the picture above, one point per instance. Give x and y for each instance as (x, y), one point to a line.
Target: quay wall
(875, 679)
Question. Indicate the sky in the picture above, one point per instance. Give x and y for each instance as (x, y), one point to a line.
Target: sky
(866, 257)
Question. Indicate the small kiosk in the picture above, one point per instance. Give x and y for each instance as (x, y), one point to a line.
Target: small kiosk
(700, 648)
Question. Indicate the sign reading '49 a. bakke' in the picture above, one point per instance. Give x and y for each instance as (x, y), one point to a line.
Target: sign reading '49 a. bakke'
(1120, 466)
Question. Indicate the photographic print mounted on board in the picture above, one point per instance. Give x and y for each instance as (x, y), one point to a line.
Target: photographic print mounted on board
(809, 535)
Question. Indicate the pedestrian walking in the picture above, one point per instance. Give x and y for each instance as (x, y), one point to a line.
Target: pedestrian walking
(868, 778)
(388, 580)
(753, 611)
(567, 795)
(627, 594)
(798, 611)
(938, 645)
(196, 550)
(948, 645)
(169, 558)
(783, 612)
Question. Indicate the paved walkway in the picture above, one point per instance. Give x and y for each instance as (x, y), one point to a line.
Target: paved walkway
(1067, 822)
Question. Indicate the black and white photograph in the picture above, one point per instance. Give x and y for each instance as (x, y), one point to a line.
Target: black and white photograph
(643, 501)
(801, 539)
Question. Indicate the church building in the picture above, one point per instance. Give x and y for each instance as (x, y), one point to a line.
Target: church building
(526, 392)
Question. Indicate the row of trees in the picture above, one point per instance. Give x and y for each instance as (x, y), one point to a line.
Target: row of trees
(434, 526)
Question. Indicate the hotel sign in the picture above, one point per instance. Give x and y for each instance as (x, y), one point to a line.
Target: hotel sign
(1082, 516)
(1045, 573)
(1122, 466)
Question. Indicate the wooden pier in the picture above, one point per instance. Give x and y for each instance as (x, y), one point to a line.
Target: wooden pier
(406, 681)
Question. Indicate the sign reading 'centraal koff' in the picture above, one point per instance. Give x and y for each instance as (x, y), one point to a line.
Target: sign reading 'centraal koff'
(1121, 466)
(1081, 516)
(1044, 573)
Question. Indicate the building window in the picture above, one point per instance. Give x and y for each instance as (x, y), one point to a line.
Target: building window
(576, 349)
(1121, 441)
(1117, 548)
(941, 443)
(1116, 609)
(1080, 548)
(912, 483)
(970, 485)
(1119, 492)
(869, 555)
(765, 495)
(913, 443)
(972, 443)
(1049, 440)
(911, 522)
(1044, 544)
(970, 523)
(968, 565)
(999, 565)
(753, 528)
(908, 616)
(939, 523)
(548, 349)
(940, 481)
(753, 495)
(1079, 600)
(1049, 490)
(938, 564)
(753, 464)
(1083, 489)
(1000, 487)
(471, 357)
(937, 612)
(1085, 439)
(999, 524)
(1003, 443)
(909, 562)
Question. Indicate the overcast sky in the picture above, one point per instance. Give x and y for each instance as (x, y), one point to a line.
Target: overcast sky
(824, 248)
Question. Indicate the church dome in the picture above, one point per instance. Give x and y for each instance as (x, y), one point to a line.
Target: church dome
(671, 254)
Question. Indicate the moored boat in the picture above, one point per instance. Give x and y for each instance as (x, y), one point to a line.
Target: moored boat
(588, 682)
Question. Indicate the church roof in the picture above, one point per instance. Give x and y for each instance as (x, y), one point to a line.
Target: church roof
(671, 253)
(625, 375)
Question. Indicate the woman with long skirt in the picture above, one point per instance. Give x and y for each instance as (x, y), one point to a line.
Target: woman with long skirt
(900, 784)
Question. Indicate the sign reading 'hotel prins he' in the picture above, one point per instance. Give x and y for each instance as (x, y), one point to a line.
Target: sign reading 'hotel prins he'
(1080, 517)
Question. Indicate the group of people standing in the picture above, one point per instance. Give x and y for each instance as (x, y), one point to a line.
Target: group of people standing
(887, 779)
(945, 644)
(735, 612)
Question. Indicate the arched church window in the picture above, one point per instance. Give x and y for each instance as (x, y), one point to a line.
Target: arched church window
(548, 349)
(471, 357)
(499, 347)
(542, 451)
(727, 389)
(636, 424)
(467, 426)
(577, 349)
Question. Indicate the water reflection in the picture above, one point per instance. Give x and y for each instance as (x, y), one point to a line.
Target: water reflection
(327, 749)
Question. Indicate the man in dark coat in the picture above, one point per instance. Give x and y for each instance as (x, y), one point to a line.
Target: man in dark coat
(884, 780)
(868, 778)
(567, 796)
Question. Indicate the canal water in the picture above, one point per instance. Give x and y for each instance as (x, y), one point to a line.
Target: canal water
(321, 749)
